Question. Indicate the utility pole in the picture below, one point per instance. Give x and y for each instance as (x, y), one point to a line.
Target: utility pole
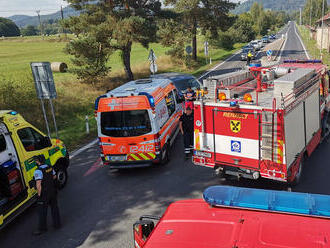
(41, 31)
(62, 17)
(322, 27)
(300, 17)
(310, 13)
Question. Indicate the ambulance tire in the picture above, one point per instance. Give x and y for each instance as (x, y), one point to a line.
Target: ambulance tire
(165, 158)
(61, 176)
(298, 176)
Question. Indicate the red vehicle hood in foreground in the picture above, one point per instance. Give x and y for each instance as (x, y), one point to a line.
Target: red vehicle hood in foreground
(194, 223)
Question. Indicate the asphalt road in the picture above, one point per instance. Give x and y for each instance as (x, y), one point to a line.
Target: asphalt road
(98, 206)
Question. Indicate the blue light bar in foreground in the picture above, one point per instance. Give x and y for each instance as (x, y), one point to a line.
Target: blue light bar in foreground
(268, 200)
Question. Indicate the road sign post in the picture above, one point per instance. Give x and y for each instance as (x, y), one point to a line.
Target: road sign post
(45, 88)
(206, 50)
(152, 58)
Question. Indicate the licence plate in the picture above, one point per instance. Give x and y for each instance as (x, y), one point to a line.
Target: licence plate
(116, 158)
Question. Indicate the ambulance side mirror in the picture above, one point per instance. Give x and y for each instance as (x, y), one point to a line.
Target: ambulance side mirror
(142, 230)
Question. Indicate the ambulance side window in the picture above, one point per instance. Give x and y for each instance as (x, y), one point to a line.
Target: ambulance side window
(170, 103)
(177, 98)
(31, 139)
(3, 145)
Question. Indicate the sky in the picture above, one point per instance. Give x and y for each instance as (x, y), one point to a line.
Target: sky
(29, 7)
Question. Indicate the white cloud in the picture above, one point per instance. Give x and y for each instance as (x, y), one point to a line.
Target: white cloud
(29, 7)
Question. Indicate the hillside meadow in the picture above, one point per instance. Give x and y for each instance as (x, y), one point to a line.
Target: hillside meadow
(75, 99)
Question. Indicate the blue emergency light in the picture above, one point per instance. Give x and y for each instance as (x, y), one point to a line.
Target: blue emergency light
(150, 98)
(313, 61)
(13, 113)
(268, 200)
(233, 104)
(98, 100)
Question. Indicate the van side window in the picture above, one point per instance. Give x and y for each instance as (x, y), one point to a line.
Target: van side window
(170, 103)
(3, 145)
(31, 139)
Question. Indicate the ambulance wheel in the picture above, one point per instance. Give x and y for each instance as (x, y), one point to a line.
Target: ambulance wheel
(166, 154)
(298, 176)
(61, 176)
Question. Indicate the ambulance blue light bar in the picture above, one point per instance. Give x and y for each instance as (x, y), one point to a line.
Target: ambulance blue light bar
(98, 100)
(268, 200)
(150, 98)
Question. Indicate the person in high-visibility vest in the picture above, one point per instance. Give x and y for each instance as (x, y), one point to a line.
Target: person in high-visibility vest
(249, 58)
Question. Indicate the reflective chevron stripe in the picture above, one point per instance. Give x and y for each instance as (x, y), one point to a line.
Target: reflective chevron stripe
(141, 156)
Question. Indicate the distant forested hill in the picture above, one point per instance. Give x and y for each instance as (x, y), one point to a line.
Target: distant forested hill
(24, 20)
(285, 5)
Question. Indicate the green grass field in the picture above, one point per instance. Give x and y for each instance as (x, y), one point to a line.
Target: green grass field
(75, 99)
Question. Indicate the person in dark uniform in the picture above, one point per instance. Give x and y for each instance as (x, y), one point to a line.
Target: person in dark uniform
(187, 130)
(47, 194)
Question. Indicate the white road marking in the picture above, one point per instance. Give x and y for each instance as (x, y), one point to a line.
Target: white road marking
(286, 39)
(82, 149)
(302, 43)
(214, 68)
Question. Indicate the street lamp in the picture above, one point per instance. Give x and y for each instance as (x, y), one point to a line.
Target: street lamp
(322, 26)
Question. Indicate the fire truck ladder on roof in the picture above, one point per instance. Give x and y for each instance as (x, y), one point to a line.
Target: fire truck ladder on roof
(268, 122)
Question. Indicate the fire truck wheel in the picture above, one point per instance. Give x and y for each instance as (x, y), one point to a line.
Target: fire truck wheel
(165, 158)
(298, 176)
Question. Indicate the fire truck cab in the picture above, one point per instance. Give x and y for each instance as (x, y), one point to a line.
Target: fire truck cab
(138, 123)
(239, 217)
(263, 122)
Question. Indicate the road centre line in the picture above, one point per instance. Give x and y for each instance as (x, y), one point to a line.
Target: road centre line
(214, 68)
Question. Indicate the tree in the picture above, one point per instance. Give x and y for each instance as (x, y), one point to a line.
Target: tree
(113, 25)
(208, 15)
(8, 28)
(29, 30)
(243, 28)
(173, 33)
(313, 11)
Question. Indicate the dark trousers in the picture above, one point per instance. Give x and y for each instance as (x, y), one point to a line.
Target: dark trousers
(42, 210)
(188, 141)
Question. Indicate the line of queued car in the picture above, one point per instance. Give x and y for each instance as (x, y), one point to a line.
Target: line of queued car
(255, 46)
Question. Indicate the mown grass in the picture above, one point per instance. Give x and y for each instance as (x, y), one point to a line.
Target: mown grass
(75, 99)
(311, 46)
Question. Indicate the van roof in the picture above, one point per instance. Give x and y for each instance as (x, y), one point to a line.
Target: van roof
(147, 85)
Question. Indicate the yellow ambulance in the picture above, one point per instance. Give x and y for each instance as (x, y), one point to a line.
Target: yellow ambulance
(19, 143)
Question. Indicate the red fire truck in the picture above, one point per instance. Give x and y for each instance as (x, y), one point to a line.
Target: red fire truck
(263, 122)
(239, 217)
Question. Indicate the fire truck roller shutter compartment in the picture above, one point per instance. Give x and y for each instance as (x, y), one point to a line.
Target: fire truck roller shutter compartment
(301, 124)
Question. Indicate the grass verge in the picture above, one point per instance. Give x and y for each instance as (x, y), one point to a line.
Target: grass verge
(311, 46)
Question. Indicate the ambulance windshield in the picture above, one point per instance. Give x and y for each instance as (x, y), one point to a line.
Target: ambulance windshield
(125, 123)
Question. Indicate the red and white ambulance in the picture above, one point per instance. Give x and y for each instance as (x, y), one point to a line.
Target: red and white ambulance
(138, 123)
(239, 217)
(263, 122)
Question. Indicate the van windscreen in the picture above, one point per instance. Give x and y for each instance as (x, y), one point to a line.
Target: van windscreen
(125, 123)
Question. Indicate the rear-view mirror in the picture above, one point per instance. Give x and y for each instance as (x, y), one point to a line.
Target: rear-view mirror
(142, 230)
